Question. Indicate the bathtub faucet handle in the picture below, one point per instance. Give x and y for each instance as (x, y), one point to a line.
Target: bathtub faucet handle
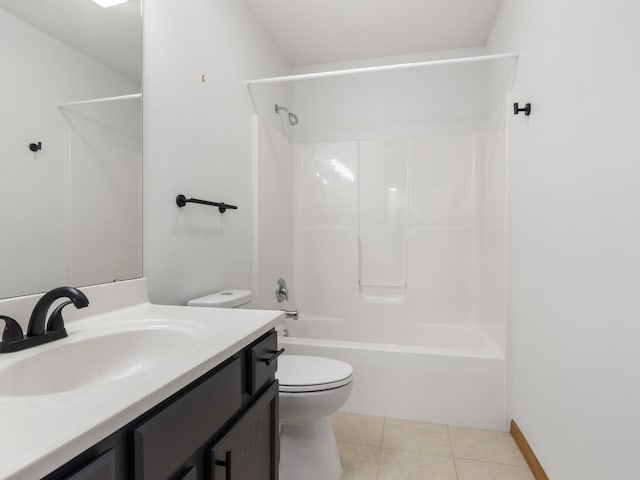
(282, 292)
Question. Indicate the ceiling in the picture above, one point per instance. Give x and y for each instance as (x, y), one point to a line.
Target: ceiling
(112, 36)
(321, 31)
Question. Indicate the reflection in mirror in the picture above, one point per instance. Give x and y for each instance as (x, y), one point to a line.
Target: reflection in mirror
(71, 179)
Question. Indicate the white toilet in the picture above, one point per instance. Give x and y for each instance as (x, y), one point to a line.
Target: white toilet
(311, 389)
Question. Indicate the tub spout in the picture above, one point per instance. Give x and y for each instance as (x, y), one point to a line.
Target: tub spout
(293, 314)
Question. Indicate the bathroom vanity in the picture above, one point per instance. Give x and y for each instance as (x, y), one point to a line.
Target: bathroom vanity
(224, 425)
(147, 392)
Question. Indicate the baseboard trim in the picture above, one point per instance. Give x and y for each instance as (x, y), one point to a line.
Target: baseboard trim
(527, 452)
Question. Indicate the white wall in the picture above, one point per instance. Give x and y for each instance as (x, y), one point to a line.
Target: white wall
(198, 142)
(41, 236)
(576, 207)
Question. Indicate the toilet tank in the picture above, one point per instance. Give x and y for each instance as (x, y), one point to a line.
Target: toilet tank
(230, 298)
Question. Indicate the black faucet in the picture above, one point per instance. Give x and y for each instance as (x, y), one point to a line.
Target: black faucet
(13, 338)
(39, 314)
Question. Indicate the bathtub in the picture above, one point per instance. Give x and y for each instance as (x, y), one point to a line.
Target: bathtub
(415, 371)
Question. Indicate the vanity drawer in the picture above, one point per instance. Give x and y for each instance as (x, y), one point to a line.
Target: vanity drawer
(263, 362)
(163, 443)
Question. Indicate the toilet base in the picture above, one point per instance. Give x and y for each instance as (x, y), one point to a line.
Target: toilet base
(309, 452)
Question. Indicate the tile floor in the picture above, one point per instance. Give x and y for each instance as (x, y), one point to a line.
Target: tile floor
(376, 448)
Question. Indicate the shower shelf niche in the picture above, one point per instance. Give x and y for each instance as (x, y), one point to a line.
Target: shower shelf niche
(373, 292)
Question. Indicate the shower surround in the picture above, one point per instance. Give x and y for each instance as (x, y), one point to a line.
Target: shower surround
(398, 231)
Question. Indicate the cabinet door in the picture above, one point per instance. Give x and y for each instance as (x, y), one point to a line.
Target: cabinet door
(102, 468)
(164, 442)
(250, 449)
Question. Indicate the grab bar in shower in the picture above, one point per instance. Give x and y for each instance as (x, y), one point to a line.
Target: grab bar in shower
(181, 201)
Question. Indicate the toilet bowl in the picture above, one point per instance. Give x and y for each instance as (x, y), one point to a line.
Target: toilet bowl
(311, 389)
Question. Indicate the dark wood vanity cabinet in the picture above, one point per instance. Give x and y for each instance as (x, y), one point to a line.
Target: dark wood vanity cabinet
(223, 426)
(247, 450)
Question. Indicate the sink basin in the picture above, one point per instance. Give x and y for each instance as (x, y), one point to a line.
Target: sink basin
(94, 358)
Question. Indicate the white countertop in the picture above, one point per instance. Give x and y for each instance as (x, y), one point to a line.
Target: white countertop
(39, 433)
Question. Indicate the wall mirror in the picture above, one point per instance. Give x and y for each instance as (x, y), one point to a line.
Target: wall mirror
(70, 144)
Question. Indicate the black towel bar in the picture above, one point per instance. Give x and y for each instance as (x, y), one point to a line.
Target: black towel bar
(181, 201)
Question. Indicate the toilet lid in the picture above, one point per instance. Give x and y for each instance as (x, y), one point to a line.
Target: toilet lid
(302, 373)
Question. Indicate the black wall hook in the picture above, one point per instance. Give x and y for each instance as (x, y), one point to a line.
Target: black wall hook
(34, 147)
(526, 109)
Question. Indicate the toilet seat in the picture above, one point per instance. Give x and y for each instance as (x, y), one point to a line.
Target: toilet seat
(303, 373)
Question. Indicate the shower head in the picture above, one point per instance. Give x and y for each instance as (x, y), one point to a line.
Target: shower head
(293, 118)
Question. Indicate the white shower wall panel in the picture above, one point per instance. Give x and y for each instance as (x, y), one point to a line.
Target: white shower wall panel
(441, 180)
(382, 206)
(327, 183)
(385, 229)
(440, 276)
(327, 272)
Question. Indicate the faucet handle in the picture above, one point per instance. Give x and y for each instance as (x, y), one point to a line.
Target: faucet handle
(12, 330)
(282, 292)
